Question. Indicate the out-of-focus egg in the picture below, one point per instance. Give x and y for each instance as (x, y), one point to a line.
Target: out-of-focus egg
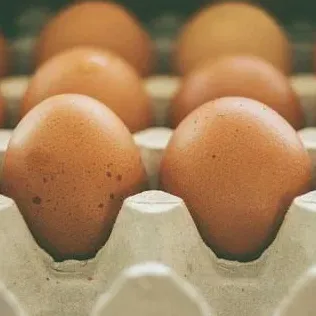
(98, 74)
(243, 76)
(101, 24)
(70, 164)
(238, 165)
(4, 56)
(229, 29)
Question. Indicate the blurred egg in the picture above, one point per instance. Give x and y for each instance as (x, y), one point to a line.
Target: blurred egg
(238, 165)
(4, 56)
(101, 24)
(243, 76)
(70, 164)
(98, 74)
(229, 29)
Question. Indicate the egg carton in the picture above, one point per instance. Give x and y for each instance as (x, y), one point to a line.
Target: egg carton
(149, 289)
(155, 226)
(153, 289)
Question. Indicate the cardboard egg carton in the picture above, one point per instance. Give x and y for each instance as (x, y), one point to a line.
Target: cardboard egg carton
(151, 289)
(9, 306)
(301, 299)
(155, 226)
(94, 287)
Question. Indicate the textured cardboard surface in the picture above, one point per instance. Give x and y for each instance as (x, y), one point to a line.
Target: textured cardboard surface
(5, 135)
(9, 306)
(301, 301)
(305, 87)
(161, 89)
(13, 89)
(156, 226)
(308, 137)
(152, 143)
(151, 289)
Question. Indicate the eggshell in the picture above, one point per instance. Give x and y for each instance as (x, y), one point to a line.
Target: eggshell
(98, 74)
(69, 165)
(4, 56)
(229, 29)
(244, 76)
(238, 165)
(101, 24)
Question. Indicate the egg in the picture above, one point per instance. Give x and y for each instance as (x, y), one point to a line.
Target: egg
(228, 29)
(101, 24)
(4, 56)
(99, 74)
(243, 76)
(237, 165)
(69, 165)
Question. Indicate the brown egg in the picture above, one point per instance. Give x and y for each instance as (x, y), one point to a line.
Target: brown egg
(244, 76)
(98, 74)
(101, 24)
(70, 164)
(229, 29)
(238, 165)
(4, 56)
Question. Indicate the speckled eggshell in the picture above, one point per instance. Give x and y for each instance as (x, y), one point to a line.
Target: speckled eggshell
(98, 74)
(231, 28)
(238, 165)
(4, 56)
(244, 76)
(100, 24)
(69, 165)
